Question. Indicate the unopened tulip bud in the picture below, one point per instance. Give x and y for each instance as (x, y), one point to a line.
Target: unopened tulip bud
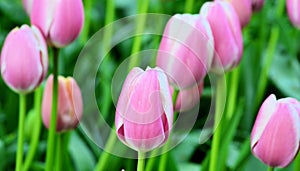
(60, 21)
(227, 34)
(188, 98)
(293, 9)
(243, 9)
(70, 106)
(275, 135)
(186, 49)
(24, 59)
(144, 113)
(257, 4)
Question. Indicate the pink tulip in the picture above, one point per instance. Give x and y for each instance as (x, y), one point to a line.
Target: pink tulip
(188, 98)
(257, 4)
(60, 20)
(275, 136)
(227, 34)
(243, 9)
(293, 9)
(24, 59)
(186, 49)
(70, 104)
(27, 6)
(144, 113)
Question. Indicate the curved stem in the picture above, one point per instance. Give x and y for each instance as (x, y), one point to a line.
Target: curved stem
(52, 129)
(141, 161)
(36, 134)
(22, 113)
(217, 125)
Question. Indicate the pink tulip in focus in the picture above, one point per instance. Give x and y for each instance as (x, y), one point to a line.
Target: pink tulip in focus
(24, 59)
(60, 20)
(257, 4)
(144, 113)
(227, 34)
(70, 104)
(275, 135)
(243, 9)
(293, 9)
(186, 49)
(188, 98)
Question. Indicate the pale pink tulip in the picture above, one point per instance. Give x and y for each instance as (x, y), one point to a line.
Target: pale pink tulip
(275, 135)
(144, 113)
(70, 104)
(243, 9)
(27, 4)
(293, 9)
(186, 49)
(227, 34)
(24, 59)
(59, 20)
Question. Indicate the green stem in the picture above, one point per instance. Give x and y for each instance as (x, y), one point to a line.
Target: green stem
(141, 161)
(270, 168)
(151, 161)
(59, 152)
(22, 113)
(36, 134)
(87, 20)
(234, 80)
(109, 18)
(140, 24)
(52, 129)
(217, 124)
(297, 163)
(189, 6)
(108, 147)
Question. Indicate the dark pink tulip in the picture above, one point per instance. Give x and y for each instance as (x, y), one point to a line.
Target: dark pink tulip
(186, 49)
(60, 20)
(24, 59)
(144, 113)
(293, 9)
(188, 98)
(257, 4)
(243, 9)
(275, 135)
(227, 34)
(70, 104)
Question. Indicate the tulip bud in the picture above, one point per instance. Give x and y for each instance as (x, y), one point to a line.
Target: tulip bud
(275, 135)
(293, 9)
(144, 113)
(188, 98)
(60, 21)
(257, 4)
(186, 49)
(24, 59)
(243, 9)
(227, 34)
(70, 104)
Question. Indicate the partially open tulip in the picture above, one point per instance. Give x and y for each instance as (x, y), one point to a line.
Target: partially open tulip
(144, 113)
(227, 34)
(275, 135)
(293, 9)
(257, 4)
(243, 9)
(70, 104)
(60, 20)
(24, 59)
(188, 98)
(186, 49)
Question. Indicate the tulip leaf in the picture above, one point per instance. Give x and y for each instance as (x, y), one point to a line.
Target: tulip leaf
(80, 153)
(285, 73)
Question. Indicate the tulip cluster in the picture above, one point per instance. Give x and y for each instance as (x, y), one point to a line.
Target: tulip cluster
(275, 136)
